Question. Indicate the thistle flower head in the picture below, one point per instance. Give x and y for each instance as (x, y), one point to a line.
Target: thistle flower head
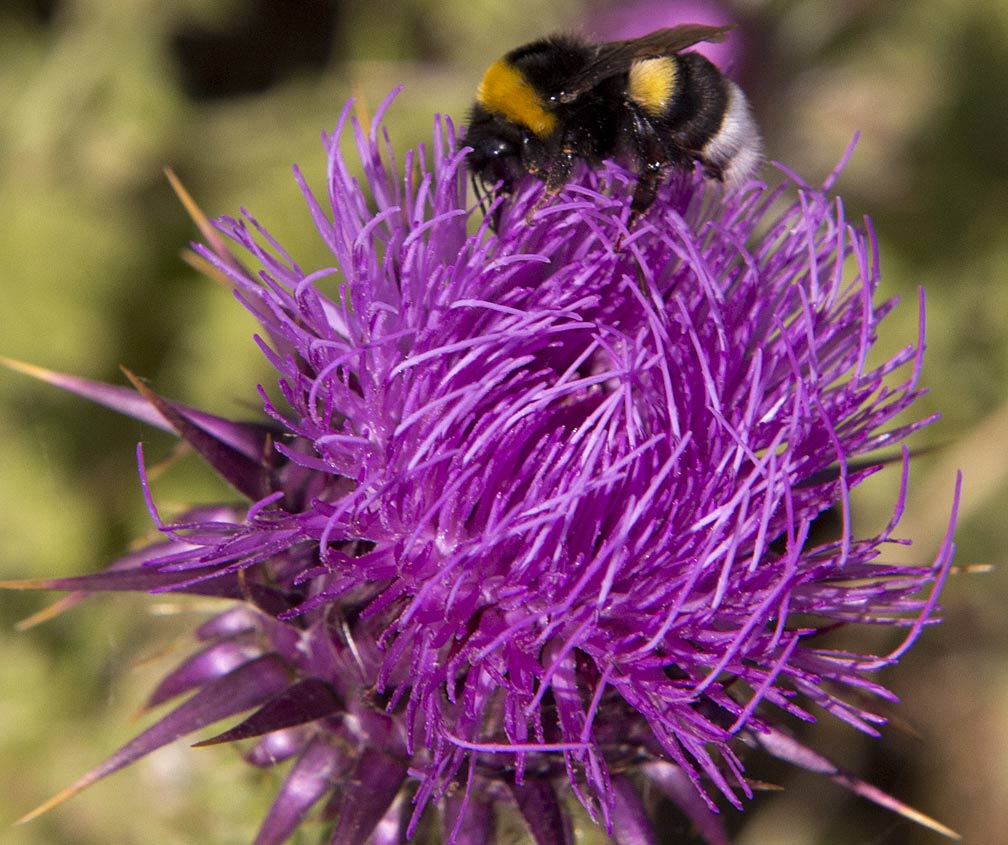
(535, 512)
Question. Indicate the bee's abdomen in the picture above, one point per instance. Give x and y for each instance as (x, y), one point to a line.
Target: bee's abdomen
(710, 116)
(735, 149)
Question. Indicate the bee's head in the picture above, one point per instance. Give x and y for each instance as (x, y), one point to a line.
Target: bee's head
(496, 160)
(502, 150)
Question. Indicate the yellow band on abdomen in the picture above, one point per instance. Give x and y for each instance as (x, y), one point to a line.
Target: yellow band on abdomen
(651, 84)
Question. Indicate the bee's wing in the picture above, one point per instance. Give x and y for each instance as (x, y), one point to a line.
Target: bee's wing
(616, 57)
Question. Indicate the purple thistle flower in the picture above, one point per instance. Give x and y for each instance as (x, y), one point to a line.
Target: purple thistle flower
(537, 511)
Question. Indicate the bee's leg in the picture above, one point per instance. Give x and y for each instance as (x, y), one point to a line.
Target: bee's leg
(555, 173)
(559, 171)
(651, 156)
(646, 190)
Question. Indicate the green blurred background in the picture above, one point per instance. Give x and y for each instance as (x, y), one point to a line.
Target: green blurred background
(96, 96)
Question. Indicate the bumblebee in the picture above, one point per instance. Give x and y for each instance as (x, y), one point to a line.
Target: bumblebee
(642, 102)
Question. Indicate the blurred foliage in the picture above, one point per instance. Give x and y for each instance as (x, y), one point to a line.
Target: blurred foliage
(96, 96)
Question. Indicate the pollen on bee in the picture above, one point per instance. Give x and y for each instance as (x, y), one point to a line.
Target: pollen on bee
(651, 84)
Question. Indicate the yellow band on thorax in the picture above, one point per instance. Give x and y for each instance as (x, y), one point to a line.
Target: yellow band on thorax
(505, 91)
